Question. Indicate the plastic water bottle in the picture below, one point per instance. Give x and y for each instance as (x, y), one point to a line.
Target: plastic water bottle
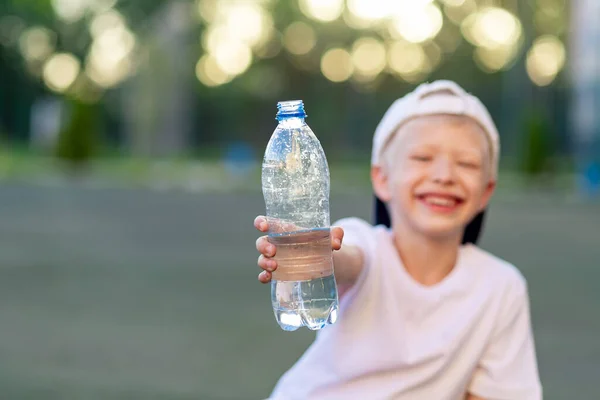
(295, 184)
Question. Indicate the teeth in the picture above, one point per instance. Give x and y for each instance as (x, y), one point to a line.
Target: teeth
(440, 201)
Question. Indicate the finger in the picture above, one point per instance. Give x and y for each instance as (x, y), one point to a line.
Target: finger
(264, 277)
(261, 224)
(265, 247)
(266, 263)
(337, 235)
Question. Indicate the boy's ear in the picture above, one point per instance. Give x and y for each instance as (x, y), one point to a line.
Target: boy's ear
(487, 194)
(380, 181)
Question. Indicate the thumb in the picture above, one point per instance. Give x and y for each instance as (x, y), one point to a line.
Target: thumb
(337, 235)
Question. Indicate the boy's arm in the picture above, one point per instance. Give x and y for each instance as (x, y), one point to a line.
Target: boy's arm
(354, 257)
(508, 368)
(348, 263)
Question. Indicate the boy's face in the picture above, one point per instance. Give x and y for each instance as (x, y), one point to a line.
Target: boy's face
(436, 175)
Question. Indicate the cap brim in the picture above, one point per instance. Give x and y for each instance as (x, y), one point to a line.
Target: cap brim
(471, 234)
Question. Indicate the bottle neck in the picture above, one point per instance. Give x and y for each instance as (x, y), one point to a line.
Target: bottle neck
(291, 122)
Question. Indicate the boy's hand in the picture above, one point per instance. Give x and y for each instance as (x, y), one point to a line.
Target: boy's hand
(267, 250)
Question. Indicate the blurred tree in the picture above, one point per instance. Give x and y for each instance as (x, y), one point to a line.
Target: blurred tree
(538, 152)
(79, 141)
(159, 108)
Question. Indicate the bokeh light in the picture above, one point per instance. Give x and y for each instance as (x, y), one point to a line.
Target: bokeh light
(336, 65)
(299, 38)
(245, 22)
(233, 57)
(494, 60)
(207, 10)
(102, 22)
(60, 71)
(491, 28)
(457, 11)
(545, 59)
(454, 3)
(109, 75)
(210, 73)
(36, 43)
(70, 10)
(213, 36)
(417, 22)
(237, 30)
(408, 60)
(248, 22)
(322, 10)
(497, 35)
(370, 10)
(109, 61)
(368, 58)
(355, 22)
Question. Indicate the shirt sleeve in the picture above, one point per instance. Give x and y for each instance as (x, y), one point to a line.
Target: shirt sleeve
(508, 368)
(357, 232)
(361, 234)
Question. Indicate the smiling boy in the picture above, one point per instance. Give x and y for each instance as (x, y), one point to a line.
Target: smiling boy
(422, 315)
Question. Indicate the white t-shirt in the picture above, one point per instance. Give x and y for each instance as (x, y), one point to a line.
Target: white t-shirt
(397, 339)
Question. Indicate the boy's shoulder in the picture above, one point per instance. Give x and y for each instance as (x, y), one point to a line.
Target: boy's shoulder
(358, 225)
(495, 269)
(351, 221)
(359, 232)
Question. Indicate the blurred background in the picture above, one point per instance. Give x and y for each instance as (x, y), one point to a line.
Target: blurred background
(131, 136)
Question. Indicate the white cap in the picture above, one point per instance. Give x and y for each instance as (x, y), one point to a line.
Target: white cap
(439, 97)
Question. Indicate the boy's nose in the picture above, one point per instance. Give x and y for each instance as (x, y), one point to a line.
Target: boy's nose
(443, 171)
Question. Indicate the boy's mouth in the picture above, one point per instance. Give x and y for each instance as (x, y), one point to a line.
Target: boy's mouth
(440, 202)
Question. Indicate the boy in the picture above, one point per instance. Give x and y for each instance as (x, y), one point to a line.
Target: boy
(422, 316)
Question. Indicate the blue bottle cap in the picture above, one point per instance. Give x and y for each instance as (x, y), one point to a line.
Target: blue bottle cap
(290, 109)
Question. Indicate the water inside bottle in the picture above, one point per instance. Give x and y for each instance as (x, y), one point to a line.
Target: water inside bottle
(303, 289)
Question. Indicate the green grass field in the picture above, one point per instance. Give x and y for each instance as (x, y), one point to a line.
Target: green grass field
(149, 294)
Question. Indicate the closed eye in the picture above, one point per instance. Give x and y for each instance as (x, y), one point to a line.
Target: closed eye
(421, 157)
(469, 164)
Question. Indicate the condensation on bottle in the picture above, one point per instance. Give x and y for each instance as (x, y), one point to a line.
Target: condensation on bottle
(295, 185)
